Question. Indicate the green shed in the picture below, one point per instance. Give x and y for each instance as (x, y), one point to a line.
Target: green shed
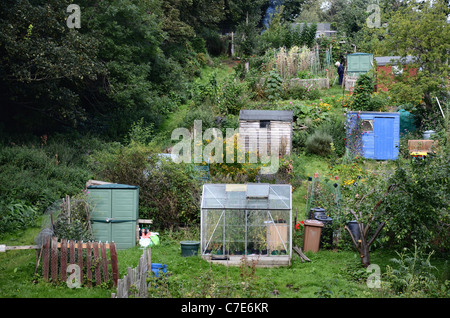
(115, 213)
(359, 63)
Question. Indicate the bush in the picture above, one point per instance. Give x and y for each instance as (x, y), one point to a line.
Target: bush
(16, 215)
(319, 143)
(362, 93)
(37, 177)
(413, 275)
(335, 127)
(419, 207)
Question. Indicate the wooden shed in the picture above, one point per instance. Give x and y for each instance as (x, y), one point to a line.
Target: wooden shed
(276, 123)
(380, 133)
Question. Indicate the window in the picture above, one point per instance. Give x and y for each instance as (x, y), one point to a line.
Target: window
(264, 124)
(397, 69)
(367, 125)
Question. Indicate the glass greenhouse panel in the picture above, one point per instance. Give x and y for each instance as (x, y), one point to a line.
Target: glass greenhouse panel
(249, 219)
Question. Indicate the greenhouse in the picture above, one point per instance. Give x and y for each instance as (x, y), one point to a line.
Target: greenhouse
(254, 220)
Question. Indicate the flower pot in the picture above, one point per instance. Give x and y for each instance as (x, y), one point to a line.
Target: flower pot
(189, 248)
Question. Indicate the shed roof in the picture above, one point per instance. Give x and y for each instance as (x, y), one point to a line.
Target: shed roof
(279, 115)
(113, 186)
(393, 60)
(252, 196)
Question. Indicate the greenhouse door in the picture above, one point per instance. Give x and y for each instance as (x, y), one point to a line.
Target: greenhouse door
(383, 130)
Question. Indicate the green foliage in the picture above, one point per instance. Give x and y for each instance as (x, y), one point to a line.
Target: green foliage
(17, 215)
(419, 207)
(44, 65)
(140, 133)
(418, 30)
(413, 275)
(335, 127)
(273, 87)
(275, 35)
(36, 177)
(362, 93)
(232, 96)
(73, 218)
(319, 143)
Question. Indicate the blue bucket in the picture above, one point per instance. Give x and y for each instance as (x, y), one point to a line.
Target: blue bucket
(156, 268)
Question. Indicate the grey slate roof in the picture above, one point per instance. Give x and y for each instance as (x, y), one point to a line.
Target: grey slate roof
(392, 60)
(279, 115)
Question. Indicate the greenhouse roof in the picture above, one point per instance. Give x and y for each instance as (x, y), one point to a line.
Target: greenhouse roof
(252, 196)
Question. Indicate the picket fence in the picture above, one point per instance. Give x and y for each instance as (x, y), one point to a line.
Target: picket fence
(134, 284)
(91, 258)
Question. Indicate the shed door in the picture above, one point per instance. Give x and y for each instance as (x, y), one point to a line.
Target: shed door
(383, 130)
(101, 212)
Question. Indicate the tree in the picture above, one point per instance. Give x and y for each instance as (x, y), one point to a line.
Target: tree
(44, 65)
(349, 15)
(363, 200)
(420, 30)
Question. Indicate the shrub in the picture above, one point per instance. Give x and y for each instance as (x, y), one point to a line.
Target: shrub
(17, 215)
(37, 177)
(319, 143)
(419, 208)
(72, 218)
(232, 96)
(362, 93)
(274, 86)
(413, 274)
(335, 127)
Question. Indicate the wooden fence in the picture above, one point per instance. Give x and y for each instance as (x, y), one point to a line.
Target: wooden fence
(134, 284)
(91, 257)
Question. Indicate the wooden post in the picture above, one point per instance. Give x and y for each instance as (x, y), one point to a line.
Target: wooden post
(88, 264)
(104, 262)
(46, 257)
(63, 260)
(114, 267)
(98, 277)
(80, 260)
(54, 258)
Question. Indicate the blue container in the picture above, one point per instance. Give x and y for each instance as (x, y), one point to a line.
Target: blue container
(156, 268)
(380, 136)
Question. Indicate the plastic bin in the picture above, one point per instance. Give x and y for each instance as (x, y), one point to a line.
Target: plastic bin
(327, 231)
(156, 268)
(354, 229)
(313, 231)
(189, 248)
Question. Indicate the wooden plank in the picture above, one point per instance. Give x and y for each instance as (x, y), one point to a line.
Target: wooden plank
(98, 277)
(104, 263)
(80, 261)
(114, 264)
(4, 248)
(63, 252)
(46, 256)
(88, 265)
(54, 259)
(72, 252)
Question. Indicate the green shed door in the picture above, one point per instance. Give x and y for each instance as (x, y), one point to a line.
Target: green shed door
(115, 214)
(125, 214)
(124, 205)
(102, 211)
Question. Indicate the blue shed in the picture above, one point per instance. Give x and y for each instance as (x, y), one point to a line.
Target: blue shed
(380, 133)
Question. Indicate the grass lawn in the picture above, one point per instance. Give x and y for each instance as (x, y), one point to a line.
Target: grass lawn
(327, 272)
